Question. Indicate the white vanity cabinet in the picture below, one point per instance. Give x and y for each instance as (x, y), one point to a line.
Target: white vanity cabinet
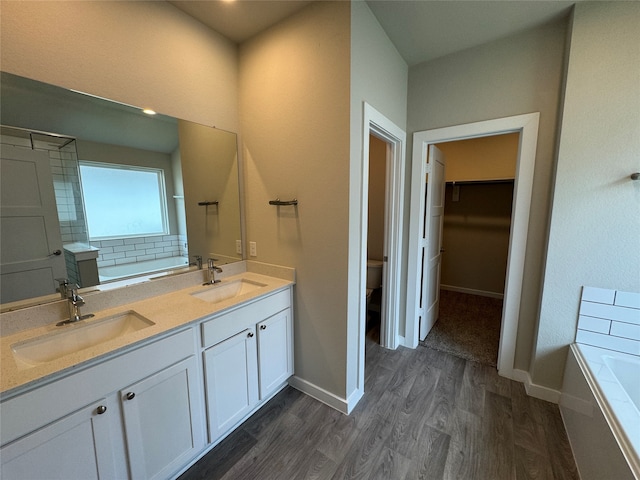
(231, 377)
(75, 446)
(159, 414)
(275, 351)
(137, 415)
(248, 357)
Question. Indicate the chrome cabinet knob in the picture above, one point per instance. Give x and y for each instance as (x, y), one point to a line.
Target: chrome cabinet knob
(263, 327)
(101, 409)
(250, 334)
(130, 396)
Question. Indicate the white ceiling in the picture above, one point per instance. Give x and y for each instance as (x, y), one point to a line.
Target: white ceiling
(421, 30)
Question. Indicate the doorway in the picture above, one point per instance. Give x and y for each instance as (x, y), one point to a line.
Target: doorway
(394, 137)
(379, 151)
(476, 224)
(527, 127)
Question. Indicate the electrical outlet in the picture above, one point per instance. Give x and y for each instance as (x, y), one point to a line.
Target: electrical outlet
(239, 247)
(253, 252)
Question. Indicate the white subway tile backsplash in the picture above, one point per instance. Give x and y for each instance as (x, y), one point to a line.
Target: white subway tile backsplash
(611, 312)
(133, 241)
(592, 324)
(628, 299)
(609, 342)
(598, 295)
(626, 330)
(610, 319)
(112, 243)
(123, 248)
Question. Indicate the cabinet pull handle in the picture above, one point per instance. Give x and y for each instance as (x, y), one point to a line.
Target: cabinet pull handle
(250, 334)
(101, 409)
(130, 396)
(263, 327)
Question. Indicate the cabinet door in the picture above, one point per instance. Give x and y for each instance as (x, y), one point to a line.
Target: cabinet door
(275, 351)
(231, 373)
(163, 421)
(77, 446)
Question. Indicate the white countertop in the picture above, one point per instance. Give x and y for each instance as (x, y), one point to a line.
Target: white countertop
(168, 311)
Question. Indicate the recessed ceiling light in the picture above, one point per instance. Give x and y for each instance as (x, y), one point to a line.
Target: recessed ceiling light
(148, 111)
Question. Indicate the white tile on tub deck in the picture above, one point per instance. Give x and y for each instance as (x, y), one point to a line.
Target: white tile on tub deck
(609, 342)
(628, 299)
(598, 295)
(592, 324)
(626, 330)
(610, 312)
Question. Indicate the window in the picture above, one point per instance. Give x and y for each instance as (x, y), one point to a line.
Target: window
(110, 191)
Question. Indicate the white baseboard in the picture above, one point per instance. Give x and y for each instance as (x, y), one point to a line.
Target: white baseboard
(342, 405)
(533, 390)
(472, 291)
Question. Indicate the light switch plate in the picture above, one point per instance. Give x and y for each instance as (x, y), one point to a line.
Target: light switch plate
(239, 247)
(253, 251)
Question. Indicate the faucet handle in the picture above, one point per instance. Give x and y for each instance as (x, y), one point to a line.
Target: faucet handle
(74, 291)
(63, 287)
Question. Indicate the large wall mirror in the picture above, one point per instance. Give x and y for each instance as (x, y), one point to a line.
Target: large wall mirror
(95, 191)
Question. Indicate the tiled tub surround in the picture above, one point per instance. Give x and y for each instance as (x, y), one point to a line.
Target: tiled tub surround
(166, 302)
(125, 270)
(138, 249)
(610, 319)
(600, 400)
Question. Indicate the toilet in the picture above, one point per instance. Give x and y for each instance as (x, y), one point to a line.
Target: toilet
(374, 281)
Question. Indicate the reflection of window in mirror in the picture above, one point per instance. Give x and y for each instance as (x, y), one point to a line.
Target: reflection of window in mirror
(125, 187)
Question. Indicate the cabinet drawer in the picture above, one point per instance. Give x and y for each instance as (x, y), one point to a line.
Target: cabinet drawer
(24, 413)
(226, 325)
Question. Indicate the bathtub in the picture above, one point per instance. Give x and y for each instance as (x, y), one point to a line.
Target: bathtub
(600, 406)
(126, 270)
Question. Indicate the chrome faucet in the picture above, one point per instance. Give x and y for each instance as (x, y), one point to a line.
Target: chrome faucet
(198, 262)
(212, 271)
(75, 301)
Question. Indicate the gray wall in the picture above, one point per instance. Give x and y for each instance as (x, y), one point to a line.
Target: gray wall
(517, 75)
(594, 236)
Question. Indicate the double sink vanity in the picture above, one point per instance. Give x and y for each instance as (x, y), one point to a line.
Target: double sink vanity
(161, 373)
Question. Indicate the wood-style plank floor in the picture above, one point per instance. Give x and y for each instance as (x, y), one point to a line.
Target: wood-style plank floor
(425, 415)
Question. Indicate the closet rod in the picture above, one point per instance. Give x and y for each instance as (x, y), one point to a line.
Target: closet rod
(479, 182)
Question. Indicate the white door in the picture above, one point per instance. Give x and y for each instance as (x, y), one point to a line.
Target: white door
(31, 245)
(432, 241)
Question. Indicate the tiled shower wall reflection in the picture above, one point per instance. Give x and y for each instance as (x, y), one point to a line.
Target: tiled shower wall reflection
(66, 182)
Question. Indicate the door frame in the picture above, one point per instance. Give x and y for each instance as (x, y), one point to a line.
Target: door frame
(527, 126)
(375, 123)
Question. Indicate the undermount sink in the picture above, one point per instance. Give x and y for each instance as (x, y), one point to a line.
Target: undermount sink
(224, 291)
(77, 336)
